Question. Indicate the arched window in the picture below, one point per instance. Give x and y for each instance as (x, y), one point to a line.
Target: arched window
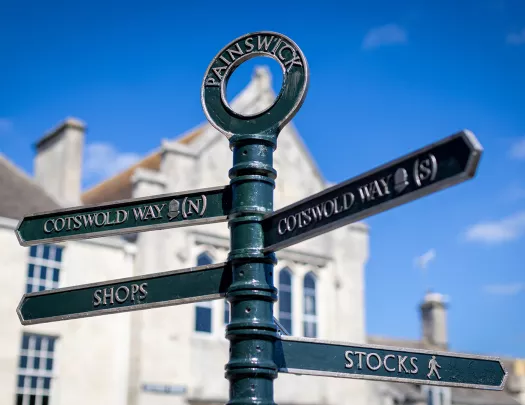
(203, 310)
(226, 312)
(285, 299)
(310, 308)
(430, 395)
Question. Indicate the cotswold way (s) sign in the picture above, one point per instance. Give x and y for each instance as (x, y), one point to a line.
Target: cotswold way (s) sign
(430, 169)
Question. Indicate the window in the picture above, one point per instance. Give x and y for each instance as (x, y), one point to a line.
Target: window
(285, 299)
(203, 310)
(44, 267)
(226, 312)
(430, 398)
(310, 312)
(35, 370)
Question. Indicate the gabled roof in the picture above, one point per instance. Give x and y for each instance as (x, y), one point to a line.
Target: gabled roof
(20, 195)
(256, 96)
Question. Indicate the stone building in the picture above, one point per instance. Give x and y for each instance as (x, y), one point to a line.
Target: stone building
(176, 355)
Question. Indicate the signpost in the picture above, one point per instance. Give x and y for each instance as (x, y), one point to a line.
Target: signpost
(374, 362)
(127, 216)
(259, 347)
(201, 283)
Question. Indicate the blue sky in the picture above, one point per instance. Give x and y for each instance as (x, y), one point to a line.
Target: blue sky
(386, 78)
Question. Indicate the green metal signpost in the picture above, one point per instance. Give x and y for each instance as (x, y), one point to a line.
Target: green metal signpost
(258, 347)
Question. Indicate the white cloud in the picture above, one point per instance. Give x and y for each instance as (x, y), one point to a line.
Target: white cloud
(389, 34)
(504, 289)
(517, 150)
(421, 262)
(516, 38)
(494, 232)
(6, 125)
(103, 160)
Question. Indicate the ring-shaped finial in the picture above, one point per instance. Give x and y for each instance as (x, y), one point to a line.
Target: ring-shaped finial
(285, 106)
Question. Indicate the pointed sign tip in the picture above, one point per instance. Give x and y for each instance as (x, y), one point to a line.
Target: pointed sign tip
(505, 376)
(21, 241)
(19, 310)
(476, 150)
(472, 140)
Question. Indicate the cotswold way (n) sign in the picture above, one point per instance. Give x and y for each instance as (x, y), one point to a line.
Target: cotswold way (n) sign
(127, 216)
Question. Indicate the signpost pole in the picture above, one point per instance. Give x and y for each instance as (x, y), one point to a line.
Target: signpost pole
(252, 332)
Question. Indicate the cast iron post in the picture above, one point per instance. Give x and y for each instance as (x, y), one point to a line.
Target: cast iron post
(251, 331)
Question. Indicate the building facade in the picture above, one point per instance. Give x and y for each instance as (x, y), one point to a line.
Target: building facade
(176, 355)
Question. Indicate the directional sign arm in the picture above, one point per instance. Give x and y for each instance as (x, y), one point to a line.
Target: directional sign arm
(374, 362)
(126, 216)
(194, 284)
(435, 167)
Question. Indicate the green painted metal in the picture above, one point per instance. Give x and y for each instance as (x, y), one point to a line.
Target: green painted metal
(288, 101)
(201, 283)
(252, 331)
(440, 165)
(374, 362)
(127, 216)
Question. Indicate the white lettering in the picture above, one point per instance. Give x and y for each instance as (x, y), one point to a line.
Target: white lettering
(232, 52)
(88, 220)
(103, 219)
(159, 209)
(139, 213)
(45, 227)
(375, 356)
(108, 293)
(389, 356)
(249, 44)
(124, 216)
(120, 299)
(289, 227)
(326, 212)
(56, 226)
(134, 290)
(280, 230)
(350, 363)
(414, 365)
(360, 354)
(385, 182)
(266, 41)
(96, 298)
(401, 363)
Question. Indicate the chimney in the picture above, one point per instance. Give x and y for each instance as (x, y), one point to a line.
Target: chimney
(434, 319)
(58, 161)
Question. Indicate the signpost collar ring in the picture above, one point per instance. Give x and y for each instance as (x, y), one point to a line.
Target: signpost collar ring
(290, 98)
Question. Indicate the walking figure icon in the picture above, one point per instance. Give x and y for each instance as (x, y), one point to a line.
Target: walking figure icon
(433, 368)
